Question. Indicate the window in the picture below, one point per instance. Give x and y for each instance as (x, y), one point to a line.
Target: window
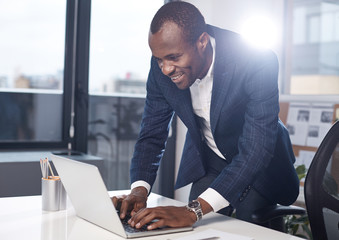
(118, 69)
(76, 63)
(32, 47)
(315, 48)
(119, 52)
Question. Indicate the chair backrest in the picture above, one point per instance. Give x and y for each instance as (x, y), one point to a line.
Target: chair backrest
(321, 188)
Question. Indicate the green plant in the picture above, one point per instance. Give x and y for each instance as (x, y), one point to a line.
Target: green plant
(301, 171)
(294, 223)
(299, 225)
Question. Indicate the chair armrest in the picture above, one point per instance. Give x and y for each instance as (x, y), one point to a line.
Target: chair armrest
(271, 212)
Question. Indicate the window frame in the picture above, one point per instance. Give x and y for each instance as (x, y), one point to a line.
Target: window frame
(67, 91)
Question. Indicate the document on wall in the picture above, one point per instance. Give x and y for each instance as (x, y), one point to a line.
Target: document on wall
(309, 123)
(212, 234)
(297, 122)
(320, 123)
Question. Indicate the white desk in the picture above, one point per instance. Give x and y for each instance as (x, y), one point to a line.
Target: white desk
(22, 218)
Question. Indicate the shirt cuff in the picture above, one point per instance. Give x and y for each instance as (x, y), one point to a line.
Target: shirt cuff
(214, 199)
(141, 183)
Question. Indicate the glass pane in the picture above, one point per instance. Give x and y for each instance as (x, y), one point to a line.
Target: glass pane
(32, 46)
(315, 49)
(331, 177)
(119, 52)
(118, 69)
(113, 127)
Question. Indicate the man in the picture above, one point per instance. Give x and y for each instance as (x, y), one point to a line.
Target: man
(237, 152)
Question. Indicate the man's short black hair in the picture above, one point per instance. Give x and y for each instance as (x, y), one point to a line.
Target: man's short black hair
(185, 15)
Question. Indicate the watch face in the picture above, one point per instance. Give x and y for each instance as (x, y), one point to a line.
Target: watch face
(193, 204)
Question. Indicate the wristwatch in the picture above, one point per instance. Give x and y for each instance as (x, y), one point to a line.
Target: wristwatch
(194, 206)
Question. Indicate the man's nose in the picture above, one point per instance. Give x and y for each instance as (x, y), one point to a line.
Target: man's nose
(167, 68)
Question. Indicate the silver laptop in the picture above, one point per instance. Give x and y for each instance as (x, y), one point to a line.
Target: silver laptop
(91, 201)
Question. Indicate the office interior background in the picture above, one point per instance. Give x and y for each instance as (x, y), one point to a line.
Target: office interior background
(73, 73)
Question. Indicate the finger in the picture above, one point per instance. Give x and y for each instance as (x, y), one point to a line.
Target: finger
(164, 216)
(146, 216)
(134, 211)
(125, 204)
(157, 224)
(138, 216)
(137, 207)
(115, 201)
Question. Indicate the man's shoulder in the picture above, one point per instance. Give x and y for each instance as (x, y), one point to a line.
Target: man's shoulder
(226, 37)
(235, 48)
(217, 32)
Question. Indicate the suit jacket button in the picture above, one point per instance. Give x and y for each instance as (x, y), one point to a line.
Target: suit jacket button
(241, 198)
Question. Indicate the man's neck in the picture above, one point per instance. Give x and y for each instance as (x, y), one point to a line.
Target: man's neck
(209, 60)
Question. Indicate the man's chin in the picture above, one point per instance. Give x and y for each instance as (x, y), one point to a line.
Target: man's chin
(181, 86)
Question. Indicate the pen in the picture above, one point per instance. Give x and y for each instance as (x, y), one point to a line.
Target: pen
(49, 166)
(45, 168)
(41, 167)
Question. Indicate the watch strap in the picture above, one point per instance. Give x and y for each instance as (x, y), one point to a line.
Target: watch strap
(194, 206)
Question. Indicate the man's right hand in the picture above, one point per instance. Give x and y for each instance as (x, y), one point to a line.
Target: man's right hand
(133, 202)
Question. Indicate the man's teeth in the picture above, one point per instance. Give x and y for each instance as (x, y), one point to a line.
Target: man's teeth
(176, 77)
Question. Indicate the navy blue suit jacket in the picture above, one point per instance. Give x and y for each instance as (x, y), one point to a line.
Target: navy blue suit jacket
(244, 122)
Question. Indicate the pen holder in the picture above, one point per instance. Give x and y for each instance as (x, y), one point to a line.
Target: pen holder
(53, 194)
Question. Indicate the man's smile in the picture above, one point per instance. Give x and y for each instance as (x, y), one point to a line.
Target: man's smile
(174, 78)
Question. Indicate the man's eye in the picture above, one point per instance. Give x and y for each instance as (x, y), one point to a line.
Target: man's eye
(174, 58)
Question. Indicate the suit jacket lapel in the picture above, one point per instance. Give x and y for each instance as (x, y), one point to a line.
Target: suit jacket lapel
(222, 76)
(221, 82)
(181, 102)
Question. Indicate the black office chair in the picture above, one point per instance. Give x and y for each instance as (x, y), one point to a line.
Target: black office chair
(321, 188)
(273, 216)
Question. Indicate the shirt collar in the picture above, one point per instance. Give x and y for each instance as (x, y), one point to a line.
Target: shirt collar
(210, 70)
(209, 74)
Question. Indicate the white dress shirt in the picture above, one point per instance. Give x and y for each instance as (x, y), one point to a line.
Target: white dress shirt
(201, 95)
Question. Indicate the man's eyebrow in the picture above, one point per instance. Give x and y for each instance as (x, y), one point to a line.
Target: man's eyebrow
(173, 55)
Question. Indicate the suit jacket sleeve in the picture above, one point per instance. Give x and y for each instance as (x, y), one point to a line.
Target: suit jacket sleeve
(155, 126)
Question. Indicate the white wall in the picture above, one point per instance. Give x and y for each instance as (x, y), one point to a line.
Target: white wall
(231, 14)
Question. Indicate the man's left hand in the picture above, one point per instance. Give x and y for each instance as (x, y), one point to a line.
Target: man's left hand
(169, 216)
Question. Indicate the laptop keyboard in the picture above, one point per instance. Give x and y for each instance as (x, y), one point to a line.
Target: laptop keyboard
(130, 229)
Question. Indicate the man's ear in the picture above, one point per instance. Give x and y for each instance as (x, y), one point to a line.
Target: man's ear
(202, 42)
